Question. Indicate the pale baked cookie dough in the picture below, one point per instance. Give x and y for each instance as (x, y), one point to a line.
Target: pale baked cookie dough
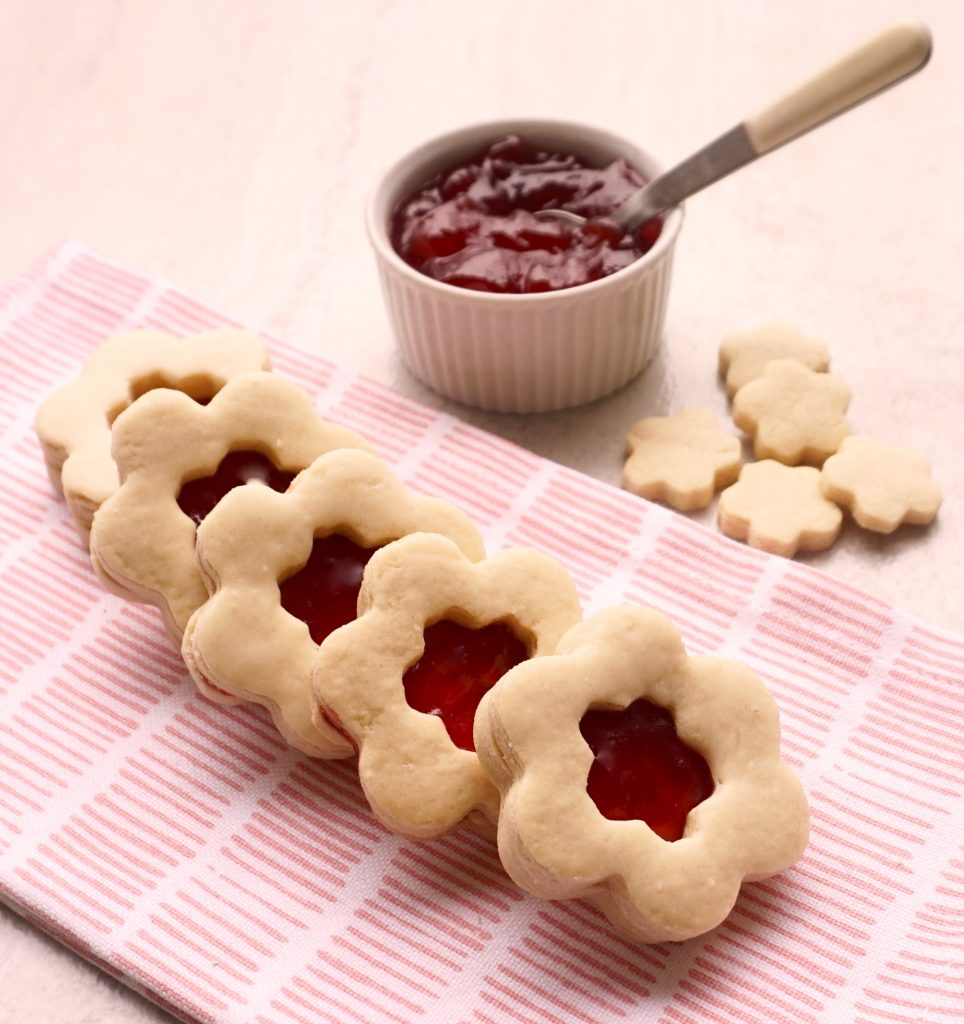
(242, 642)
(681, 460)
(74, 423)
(779, 509)
(555, 843)
(418, 781)
(882, 485)
(744, 355)
(792, 413)
(141, 543)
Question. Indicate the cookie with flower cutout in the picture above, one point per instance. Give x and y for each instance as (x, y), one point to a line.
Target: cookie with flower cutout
(176, 460)
(780, 509)
(793, 414)
(435, 631)
(681, 460)
(284, 571)
(74, 423)
(881, 485)
(639, 777)
(745, 355)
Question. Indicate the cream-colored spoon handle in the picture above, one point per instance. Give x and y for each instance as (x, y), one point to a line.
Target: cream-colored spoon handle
(882, 61)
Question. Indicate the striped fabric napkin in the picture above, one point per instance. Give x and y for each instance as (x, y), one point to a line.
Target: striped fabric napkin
(182, 847)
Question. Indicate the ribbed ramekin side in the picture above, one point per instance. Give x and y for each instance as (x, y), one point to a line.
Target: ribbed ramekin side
(562, 350)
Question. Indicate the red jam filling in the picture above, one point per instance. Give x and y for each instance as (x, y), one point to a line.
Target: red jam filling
(198, 497)
(473, 225)
(324, 593)
(642, 769)
(457, 668)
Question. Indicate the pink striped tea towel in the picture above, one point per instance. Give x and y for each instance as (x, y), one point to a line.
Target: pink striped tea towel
(182, 847)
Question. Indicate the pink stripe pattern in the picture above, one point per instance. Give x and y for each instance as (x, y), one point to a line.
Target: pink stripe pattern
(184, 848)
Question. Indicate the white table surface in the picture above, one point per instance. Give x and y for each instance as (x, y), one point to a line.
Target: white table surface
(228, 146)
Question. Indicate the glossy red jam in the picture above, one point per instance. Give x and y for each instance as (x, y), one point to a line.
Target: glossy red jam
(324, 593)
(457, 669)
(198, 497)
(642, 769)
(473, 225)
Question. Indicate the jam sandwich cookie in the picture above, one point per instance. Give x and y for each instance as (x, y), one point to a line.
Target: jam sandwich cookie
(284, 570)
(74, 423)
(744, 355)
(881, 485)
(645, 780)
(779, 509)
(792, 413)
(177, 459)
(435, 631)
(681, 460)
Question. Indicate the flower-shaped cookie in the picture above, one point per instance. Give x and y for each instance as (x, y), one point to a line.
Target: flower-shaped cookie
(680, 459)
(779, 509)
(434, 632)
(793, 414)
(73, 424)
(744, 355)
(284, 572)
(619, 728)
(176, 459)
(882, 485)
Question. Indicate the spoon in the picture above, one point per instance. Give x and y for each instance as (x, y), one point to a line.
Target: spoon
(884, 60)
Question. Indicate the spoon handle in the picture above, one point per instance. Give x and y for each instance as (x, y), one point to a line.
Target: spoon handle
(882, 61)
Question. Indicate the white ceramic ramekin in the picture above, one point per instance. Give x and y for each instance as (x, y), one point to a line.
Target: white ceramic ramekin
(522, 353)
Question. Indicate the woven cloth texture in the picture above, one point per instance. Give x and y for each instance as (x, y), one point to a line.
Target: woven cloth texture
(182, 847)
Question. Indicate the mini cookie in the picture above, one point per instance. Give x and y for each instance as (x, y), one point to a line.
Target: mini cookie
(176, 460)
(744, 355)
(779, 509)
(74, 423)
(680, 459)
(644, 780)
(793, 414)
(434, 632)
(284, 571)
(882, 485)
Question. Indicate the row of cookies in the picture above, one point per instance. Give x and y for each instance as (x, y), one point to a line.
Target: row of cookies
(794, 410)
(368, 620)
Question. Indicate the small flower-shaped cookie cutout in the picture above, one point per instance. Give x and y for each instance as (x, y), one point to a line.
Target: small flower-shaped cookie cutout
(284, 572)
(434, 632)
(74, 423)
(882, 485)
(681, 460)
(744, 355)
(621, 727)
(793, 414)
(176, 460)
(779, 509)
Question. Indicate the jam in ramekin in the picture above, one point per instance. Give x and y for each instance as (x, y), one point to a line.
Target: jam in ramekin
(474, 226)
